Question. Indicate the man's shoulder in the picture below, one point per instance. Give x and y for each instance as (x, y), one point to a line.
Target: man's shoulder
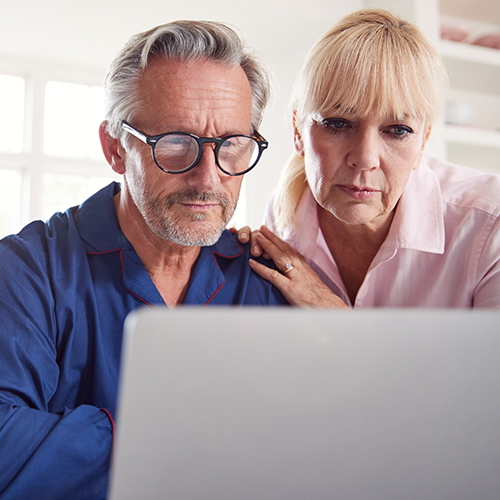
(63, 233)
(242, 286)
(36, 236)
(228, 246)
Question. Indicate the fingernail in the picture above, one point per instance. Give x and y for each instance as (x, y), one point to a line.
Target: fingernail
(244, 235)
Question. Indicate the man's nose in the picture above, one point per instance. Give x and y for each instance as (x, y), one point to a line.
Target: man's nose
(206, 174)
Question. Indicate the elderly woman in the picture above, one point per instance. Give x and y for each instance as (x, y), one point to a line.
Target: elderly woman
(369, 220)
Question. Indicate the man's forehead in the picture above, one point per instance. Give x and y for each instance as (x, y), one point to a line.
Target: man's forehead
(193, 77)
(181, 89)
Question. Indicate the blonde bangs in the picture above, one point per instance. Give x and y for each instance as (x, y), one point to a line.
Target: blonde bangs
(384, 71)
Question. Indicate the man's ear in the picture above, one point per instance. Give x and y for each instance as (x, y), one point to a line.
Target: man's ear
(297, 137)
(112, 149)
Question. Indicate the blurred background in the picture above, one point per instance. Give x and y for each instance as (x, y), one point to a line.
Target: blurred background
(54, 56)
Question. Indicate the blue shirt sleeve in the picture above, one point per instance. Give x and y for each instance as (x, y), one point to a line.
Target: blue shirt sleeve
(47, 452)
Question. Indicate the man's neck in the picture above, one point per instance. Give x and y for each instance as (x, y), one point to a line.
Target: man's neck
(168, 264)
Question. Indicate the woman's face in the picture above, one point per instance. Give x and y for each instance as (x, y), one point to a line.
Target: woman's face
(357, 168)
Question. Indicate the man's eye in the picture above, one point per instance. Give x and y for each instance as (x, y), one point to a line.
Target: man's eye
(230, 143)
(175, 140)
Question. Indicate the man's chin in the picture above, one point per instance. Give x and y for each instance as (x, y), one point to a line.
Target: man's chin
(196, 233)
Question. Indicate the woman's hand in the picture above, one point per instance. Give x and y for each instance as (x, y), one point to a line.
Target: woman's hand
(298, 283)
(245, 234)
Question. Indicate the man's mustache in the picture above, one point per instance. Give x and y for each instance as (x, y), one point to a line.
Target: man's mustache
(188, 195)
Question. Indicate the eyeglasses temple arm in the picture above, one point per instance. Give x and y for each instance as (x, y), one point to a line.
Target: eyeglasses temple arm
(134, 132)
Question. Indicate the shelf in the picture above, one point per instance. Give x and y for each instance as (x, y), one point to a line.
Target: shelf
(470, 67)
(472, 136)
(469, 53)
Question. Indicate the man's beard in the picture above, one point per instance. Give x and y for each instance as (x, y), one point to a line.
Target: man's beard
(191, 231)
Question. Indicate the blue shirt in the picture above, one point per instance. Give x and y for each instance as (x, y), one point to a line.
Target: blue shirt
(66, 287)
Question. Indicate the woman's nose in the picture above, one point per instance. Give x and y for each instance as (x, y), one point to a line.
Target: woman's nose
(364, 150)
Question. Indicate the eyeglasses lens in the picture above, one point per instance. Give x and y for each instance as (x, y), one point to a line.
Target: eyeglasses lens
(176, 152)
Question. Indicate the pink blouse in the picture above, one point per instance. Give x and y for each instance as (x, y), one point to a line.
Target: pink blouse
(442, 250)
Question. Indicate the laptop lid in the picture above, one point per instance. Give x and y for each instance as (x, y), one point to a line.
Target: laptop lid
(275, 403)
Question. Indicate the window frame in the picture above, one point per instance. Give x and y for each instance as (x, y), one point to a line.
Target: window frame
(32, 162)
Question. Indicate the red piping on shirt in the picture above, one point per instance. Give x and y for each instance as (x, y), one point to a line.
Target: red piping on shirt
(112, 428)
(123, 271)
(227, 257)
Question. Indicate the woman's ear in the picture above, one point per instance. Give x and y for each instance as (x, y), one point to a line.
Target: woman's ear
(297, 137)
(112, 149)
(427, 134)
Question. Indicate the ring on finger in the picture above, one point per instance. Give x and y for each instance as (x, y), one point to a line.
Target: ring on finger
(288, 268)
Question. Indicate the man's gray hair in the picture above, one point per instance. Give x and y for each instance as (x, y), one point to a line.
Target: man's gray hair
(179, 41)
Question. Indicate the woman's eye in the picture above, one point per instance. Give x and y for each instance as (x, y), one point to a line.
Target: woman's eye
(401, 130)
(334, 124)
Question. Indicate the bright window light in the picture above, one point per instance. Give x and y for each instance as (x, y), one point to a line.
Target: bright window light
(73, 113)
(62, 191)
(10, 202)
(12, 113)
(96, 115)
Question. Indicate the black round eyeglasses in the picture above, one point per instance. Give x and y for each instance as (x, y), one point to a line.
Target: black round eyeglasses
(179, 152)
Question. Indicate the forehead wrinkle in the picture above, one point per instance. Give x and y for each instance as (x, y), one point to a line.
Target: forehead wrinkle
(204, 96)
(216, 98)
(156, 80)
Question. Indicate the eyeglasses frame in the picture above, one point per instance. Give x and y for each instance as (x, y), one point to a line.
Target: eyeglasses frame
(153, 140)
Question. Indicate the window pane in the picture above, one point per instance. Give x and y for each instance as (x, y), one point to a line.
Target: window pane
(12, 113)
(72, 116)
(10, 202)
(61, 191)
(96, 115)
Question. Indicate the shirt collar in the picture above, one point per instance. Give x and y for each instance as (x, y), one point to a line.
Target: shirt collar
(418, 223)
(303, 236)
(97, 222)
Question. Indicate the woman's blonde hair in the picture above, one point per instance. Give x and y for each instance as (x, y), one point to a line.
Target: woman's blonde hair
(370, 61)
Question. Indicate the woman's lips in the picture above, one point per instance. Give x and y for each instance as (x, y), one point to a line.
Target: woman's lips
(358, 193)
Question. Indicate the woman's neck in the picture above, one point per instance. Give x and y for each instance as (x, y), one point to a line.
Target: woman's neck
(353, 247)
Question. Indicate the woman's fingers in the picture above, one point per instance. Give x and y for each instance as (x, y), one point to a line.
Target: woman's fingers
(268, 273)
(281, 259)
(298, 283)
(255, 248)
(245, 234)
(304, 288)
(283, 255)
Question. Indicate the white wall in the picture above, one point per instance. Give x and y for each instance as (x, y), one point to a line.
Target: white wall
(88, 34)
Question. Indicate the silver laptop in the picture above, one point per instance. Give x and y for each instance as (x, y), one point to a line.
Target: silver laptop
(281, 404)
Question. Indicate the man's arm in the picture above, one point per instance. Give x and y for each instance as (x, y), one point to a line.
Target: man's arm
(49, 456)
(45, 452)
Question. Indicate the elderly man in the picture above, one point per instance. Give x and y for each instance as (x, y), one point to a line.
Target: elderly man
(184, 102)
